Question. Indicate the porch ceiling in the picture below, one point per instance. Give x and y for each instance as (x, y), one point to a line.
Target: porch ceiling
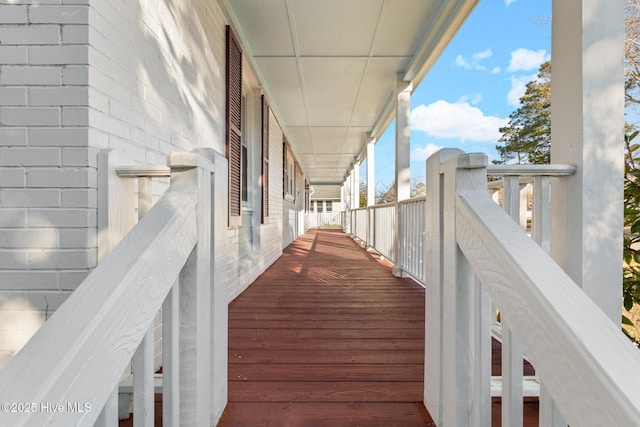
(329, 67)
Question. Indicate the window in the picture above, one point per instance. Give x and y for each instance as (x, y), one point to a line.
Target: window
(265, 160)
(244, 178)
(288, 167)
(328, 206)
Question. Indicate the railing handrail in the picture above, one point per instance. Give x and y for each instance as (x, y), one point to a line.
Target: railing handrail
(413, 200)
(595, 382)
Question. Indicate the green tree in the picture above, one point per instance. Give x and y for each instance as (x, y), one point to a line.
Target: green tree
(363, 194)
(632, 54)
(527, 137)
(631, 264)
(387, 194)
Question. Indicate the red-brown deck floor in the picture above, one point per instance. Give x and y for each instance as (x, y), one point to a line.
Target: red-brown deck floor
(328, 337)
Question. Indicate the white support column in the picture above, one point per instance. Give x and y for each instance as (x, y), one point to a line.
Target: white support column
(355, 190)
(371, 174)
(587, 131)
(403, 149)
(403, 153)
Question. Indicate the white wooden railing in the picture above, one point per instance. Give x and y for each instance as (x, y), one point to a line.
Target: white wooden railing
(375, 227)
(477, 254)
(324, 219)
(411, 247)
(68, 373)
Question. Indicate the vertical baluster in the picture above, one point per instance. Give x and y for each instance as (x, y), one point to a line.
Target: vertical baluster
(412, 233)
(541, 212)
(143, 359)
(170, 358)
(511, 350)
(541, 233)
(481, 415)
(109, 415)
(522, 205)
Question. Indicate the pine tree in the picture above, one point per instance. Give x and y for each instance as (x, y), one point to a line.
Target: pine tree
(527, 137)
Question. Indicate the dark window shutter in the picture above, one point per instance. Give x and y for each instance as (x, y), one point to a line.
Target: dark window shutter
(234, 126)
(265, 160)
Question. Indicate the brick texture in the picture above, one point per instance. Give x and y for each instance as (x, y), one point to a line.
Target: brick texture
(78, 76)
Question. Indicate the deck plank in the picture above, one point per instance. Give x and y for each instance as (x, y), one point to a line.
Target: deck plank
(327, 336)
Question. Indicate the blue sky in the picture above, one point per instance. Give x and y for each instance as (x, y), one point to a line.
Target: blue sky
(474, 86)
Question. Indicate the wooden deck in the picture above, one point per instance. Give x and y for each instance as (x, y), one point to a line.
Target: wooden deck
(328, 337)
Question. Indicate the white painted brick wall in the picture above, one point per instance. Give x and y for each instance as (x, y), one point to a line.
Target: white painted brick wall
(77, 76)
(47, 176)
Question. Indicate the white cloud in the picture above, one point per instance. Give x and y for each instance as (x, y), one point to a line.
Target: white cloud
(475, 61)
(496, 70)
(524, 59)
(518, 88)
(476, 99)
(459, 120)
(421, 154)
(473, 99)
(508, 2)
(461, 62)
(482, 55)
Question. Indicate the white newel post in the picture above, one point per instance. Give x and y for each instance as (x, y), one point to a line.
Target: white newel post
(457, 386)
(587, 131)
(403, 158)
(196, 284)
(433, 294)
(465, 388)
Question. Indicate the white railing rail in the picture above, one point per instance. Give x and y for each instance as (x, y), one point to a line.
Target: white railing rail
(67, 373)
(476, 251)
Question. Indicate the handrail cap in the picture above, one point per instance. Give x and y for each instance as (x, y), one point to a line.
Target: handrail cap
(531, 170)
(199, 157)
(140, 171)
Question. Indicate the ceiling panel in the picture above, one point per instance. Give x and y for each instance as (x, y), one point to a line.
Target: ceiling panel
(378, 85)
(285, 88)
(300, 140)
(336, 27)
(356, 137)
(266, 17)
(331, 87)
(400, 31)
